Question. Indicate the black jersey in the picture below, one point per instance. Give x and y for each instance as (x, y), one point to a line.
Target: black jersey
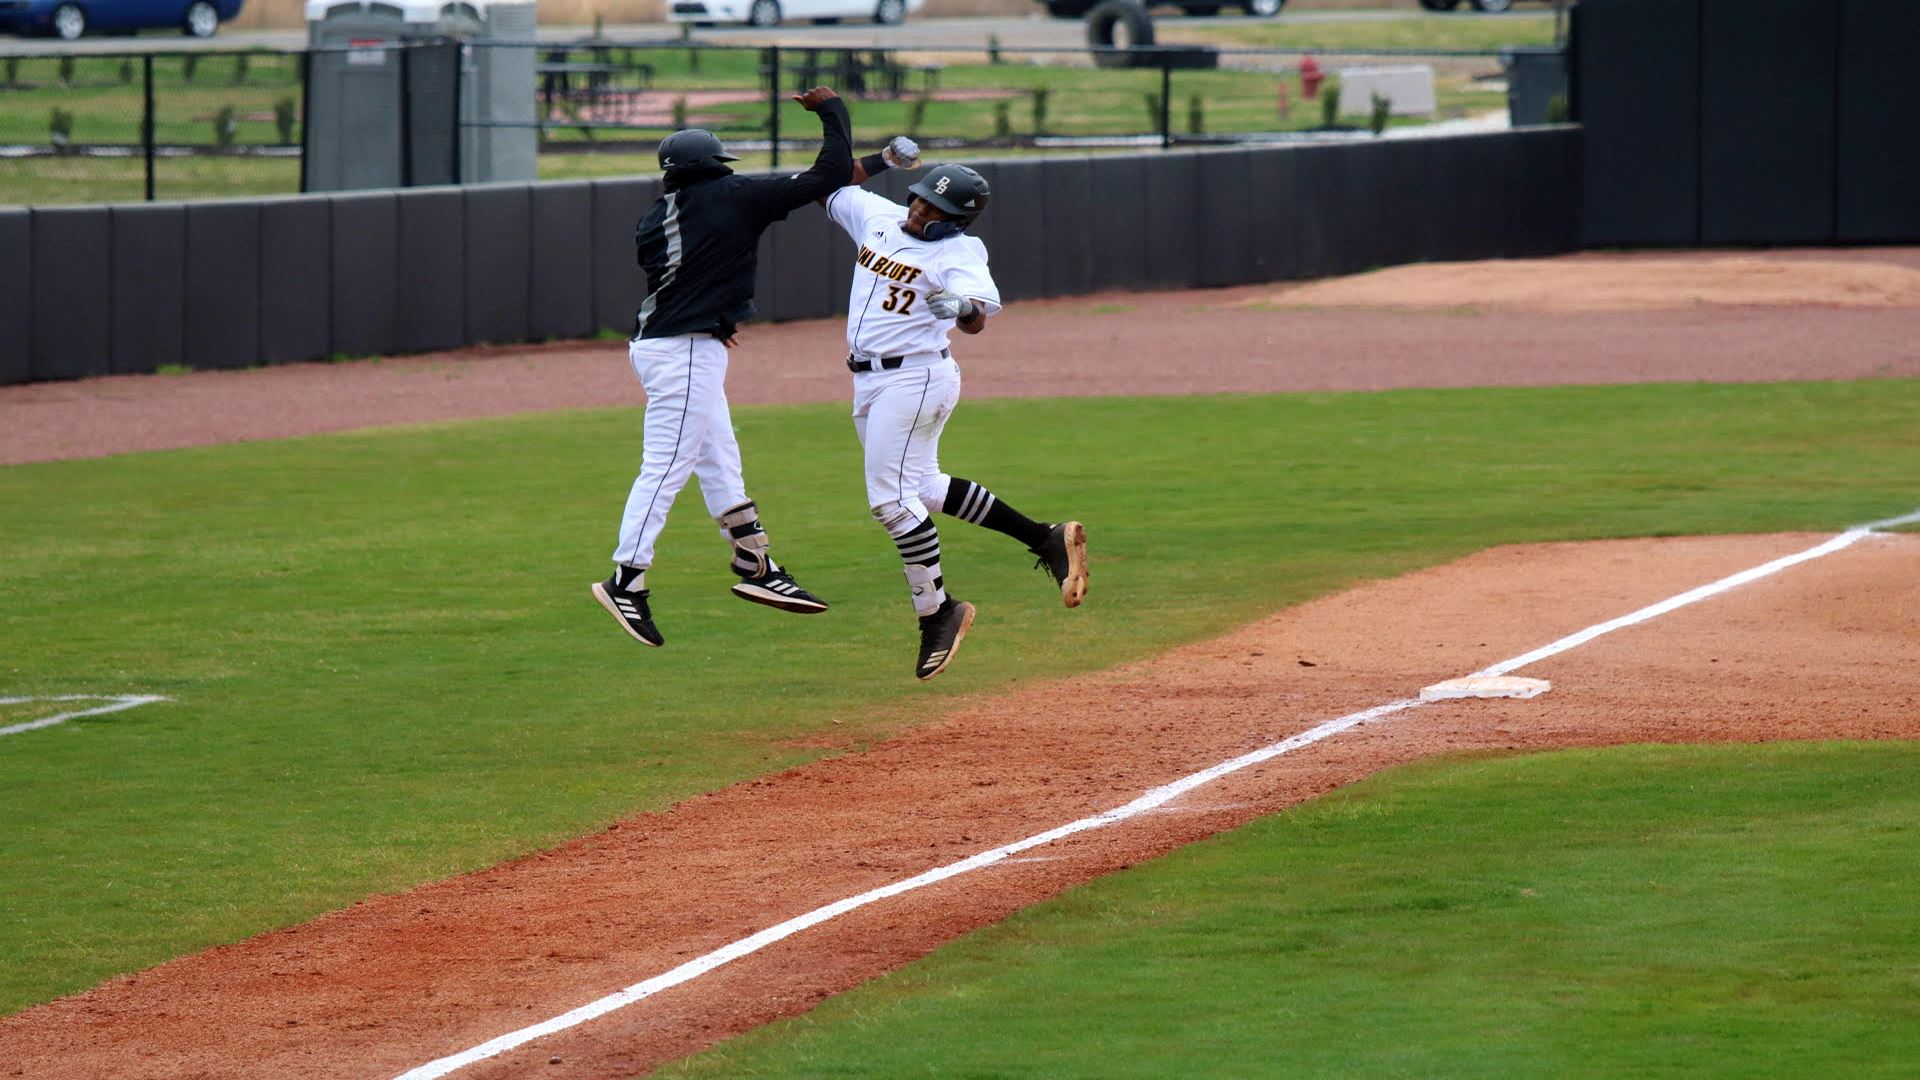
(700, 243)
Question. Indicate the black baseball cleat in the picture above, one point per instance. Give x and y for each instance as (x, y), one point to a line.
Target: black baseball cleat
(630, 608)
(940, 636)
(777, 589)
(1063, 554)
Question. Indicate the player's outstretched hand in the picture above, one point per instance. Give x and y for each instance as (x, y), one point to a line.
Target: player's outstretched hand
(816, 97)
(901, 153)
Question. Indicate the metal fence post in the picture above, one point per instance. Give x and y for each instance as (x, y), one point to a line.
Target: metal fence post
(1166, 101)
(306, 112)
(773, 105)
(146, 120)
(406, 116)
(459, 139)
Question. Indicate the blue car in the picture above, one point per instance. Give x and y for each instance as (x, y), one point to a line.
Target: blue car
(68, 19)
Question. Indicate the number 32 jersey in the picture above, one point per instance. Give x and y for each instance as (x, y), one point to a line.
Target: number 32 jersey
(893, 273)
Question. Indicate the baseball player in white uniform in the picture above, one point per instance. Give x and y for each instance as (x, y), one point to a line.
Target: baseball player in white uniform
(917, 276)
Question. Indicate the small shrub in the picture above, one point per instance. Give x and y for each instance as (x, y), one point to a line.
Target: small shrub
(66, 71)
(188, 65)
(241, 66)
(1002, 120)
(1557, 109)
(1196, 115)
(126, 71)
(60, 130)
(599, 26)
(13, 71)
(917, 113)
(679, 112)
(993, 49)
(223, 126)
(1377, 116)
(1152, 100)
(1330, 105)
(284, 118)
(1040, 96)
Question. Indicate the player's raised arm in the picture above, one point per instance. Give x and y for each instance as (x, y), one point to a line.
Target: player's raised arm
(833, 167)
(899, 153)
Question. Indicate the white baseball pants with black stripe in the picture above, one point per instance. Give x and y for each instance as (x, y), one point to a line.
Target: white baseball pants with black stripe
(689, 432)
(899, 416)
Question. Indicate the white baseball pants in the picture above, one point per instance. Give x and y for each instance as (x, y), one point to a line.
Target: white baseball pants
(689, 431)
(899, 416)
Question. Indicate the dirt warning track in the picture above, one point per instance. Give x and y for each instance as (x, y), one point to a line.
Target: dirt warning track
(1820, 650)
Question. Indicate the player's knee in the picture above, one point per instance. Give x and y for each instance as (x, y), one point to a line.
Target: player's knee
(933, 492)
(897, 517)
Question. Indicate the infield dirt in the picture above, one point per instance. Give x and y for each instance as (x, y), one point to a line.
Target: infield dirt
(1822, 650)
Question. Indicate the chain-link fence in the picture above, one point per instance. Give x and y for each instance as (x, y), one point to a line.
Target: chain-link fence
(194, 125)
(118, 127)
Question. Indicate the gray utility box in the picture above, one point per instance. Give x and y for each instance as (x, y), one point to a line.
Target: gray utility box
(399, 94)
(502, 137)
(1536, 74)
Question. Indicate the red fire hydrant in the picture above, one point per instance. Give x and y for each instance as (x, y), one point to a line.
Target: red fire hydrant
(1310, 77)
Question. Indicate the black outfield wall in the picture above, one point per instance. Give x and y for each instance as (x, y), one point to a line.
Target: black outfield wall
(1763, 122)
(97, 290)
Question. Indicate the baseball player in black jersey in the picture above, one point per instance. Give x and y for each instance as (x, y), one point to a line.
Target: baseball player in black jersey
(699, 245)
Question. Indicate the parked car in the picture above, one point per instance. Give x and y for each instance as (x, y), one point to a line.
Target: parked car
(68, 19)
(770, 12)
(1476, 5)
(1074, 9)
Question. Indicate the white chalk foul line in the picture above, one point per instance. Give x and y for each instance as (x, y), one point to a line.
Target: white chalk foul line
(115, 703)
(1151, 800)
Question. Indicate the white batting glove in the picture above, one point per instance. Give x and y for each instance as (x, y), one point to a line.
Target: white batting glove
(950, 305)
(901, 153)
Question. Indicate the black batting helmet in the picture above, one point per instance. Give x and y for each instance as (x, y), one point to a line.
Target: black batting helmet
(956, 190)
(691, 148)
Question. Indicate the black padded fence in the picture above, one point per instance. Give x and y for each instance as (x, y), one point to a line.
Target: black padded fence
(1747, 122)
(128, 289)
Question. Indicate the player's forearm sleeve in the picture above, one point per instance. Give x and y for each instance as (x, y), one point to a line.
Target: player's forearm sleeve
(833, 168)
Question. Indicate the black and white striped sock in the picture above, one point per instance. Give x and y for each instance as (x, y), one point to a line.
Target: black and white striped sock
(973, 503)
(920, 551)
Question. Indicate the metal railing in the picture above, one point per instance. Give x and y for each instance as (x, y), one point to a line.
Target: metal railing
(175, 125)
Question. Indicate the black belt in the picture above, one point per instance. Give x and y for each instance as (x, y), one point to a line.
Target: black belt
(885, 363)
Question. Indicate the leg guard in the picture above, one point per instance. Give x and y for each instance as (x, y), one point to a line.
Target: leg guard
(740, 527)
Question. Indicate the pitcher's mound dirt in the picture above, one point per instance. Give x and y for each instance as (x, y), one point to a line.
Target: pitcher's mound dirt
(1823, 650)
(1591, 284)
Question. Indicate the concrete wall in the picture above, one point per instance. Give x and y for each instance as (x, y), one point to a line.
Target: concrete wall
(118, 289)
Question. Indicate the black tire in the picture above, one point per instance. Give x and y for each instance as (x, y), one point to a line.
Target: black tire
(1439, 5)
(764, 13)
(69, 22)
(1067, 9)
(1493, 6)
(1263, 9)
(890, 12)
(1129, 18)
(202, 20)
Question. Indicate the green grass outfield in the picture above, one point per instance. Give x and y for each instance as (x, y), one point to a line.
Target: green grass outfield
(385, 666)
(1646, 911)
